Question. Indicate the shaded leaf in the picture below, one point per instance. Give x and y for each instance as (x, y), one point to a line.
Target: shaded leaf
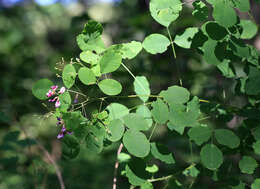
(211, 156)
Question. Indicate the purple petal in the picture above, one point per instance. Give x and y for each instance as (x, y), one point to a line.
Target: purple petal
(62, 90)
(54, 87)
(57, 103)
(60, 135)
(63, 129)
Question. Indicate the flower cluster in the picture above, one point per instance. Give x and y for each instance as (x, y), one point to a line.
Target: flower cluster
(52, 92)
(63, 130)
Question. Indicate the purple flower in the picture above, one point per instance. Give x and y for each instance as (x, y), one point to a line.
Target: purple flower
(63, 132)
(57, 103)
(62, 90)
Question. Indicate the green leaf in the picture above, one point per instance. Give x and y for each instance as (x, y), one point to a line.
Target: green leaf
(249, 29)
(185, 39)
(146, 185)
(142, 88)
(117, 111)
(214, 31)
(86, 76)
(89, 57)
(110, 86)
(165, 11)
(136, 143)
(123, 157)
(227, 138)
(177, 128)
(211, 156)
(175, 95)
(93, 28)
(242, 5)
(94, 144)
(68, 75)
(65, 101)
(200, 10)
(136, 122)
(90, 43)
(199, 134)
(224, 14)
(156, 43)
(41, 87)
(160, 111)
(226, 69)
(240, 186)
(131, 50)
(256, 184)
(193, 107)
(110, 61)
(145, 112)
(70, 147)
(90, 38)
(159, 151)
(96, 70)
(247, 165)
(191, 171)
(115, 130)
(135, 172)
(152, 169)
(210, 52)
(256, 133)
(252, 86)
(256, 147)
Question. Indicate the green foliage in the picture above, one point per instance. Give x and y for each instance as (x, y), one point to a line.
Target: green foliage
(41, 87)
(165, 11)
(136, 143)
(96, 127)
(247, 165)
(156, 43)
(227, 138)
(110, 86)
(256, 184)
(86, 76)
(211, 156)
(69, 75)
(142, 88)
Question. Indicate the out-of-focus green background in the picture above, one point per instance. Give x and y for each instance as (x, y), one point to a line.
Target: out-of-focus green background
(35, 35)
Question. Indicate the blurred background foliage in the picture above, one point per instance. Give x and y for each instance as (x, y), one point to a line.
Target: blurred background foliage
(36, 35)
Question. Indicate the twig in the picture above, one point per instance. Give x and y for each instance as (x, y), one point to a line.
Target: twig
(116, 165)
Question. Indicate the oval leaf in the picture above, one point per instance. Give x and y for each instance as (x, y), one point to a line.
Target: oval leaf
(199, 134)
(117, 111)
(227, 138)
(136, 143)
(211, 156)
(86, 76)
(248, 165)
(156, 43)
(136, 122)
(69, 75)
(41, 87)
(142, 88)
(115, 130)
(110, 62)
(110, 86)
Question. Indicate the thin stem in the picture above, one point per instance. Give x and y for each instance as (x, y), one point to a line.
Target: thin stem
(152, 131)
(174, 54)
(172, 44)
(116, 165)
(160, 179)
(76, 92)
(191, 151)
(129, 71)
